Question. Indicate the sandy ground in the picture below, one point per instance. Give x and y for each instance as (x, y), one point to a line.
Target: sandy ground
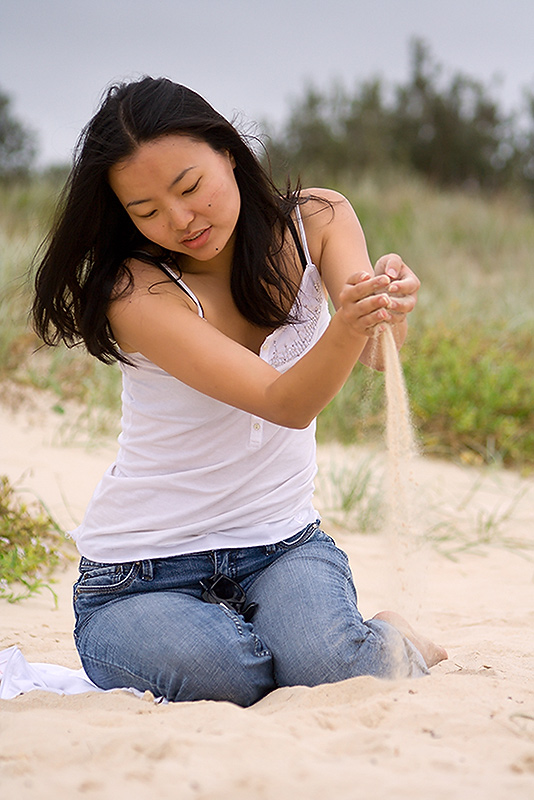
(466, 731)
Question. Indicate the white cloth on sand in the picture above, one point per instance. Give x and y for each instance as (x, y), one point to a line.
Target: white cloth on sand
(18, 676)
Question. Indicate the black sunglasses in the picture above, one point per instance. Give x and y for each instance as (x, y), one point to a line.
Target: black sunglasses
(224, 591)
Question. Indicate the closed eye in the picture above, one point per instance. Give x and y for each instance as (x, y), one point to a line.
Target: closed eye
(192, 188)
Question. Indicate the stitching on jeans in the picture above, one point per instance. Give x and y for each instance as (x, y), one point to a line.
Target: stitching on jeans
(124, 583)
(259, 647)
(236, 619)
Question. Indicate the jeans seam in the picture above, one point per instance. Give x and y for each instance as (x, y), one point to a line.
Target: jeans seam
(124, 583)
(95, 659)
(236, 619)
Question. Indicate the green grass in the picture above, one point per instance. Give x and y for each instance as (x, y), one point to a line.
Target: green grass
(468, 527)
(30, 545)
(26, 212)
(467, 360)
(352, 497)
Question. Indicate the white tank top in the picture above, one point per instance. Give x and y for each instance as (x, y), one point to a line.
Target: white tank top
(194, 474)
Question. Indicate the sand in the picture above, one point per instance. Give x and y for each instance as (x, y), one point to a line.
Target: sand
(466, 731)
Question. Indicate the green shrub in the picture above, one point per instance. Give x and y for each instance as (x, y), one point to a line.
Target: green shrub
(30, 543)
(471, 388)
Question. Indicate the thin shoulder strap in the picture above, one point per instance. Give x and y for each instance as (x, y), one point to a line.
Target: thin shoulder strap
(303, 235)
(298, 244)
(170, 273)
(183, 286)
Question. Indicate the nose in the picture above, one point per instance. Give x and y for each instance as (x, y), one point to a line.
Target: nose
(180, 216)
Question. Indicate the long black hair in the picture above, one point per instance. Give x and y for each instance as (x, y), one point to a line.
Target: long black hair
(93, 237)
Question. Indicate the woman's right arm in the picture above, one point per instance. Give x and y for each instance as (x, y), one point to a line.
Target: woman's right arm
(160, 325)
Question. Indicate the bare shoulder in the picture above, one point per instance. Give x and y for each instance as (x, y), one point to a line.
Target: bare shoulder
(142, 291)
(325, 212)
(140, 279)
(321, 205)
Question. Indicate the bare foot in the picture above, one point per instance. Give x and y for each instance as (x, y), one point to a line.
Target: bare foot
(431, 652)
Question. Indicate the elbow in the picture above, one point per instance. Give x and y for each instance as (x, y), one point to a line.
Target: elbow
(294, 419)
(296, 410)
(298, 423)
(301, 425)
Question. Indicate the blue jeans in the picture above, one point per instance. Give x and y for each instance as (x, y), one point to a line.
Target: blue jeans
(144, 624)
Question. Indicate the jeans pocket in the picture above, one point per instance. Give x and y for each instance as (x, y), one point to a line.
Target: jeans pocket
(105, 579)
(299, 538)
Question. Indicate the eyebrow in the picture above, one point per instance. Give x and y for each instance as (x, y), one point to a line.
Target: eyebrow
(175, 181)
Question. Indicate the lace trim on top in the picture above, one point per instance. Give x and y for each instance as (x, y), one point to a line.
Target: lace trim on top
(291, 341)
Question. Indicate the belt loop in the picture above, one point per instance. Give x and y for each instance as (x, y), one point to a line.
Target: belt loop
(147, 570)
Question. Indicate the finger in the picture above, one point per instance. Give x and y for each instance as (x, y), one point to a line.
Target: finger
(400, 307)
(405, 304)
(390, 265)
(359, 277)
(406, 284)
(366, 284)
(375, 320)
(359, 309)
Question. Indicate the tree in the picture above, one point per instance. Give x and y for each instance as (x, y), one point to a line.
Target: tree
(334, 133)
(451, 131)
(453, 134)
(17, 144)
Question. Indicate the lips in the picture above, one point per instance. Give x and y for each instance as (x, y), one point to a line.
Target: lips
(196, 239)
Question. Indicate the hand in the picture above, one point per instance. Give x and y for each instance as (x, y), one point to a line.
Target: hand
(403, 287)
(364, 303)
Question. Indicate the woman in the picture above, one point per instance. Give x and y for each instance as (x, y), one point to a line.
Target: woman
(204, 572)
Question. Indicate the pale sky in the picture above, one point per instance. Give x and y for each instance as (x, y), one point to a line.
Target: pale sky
(251, 57)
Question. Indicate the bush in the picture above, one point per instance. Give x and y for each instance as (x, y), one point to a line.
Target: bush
(448, 129)
(17, 145)
(471, 389)
(471, 395)
(29, 545)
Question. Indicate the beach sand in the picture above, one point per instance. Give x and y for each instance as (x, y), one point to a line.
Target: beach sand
(466, 731)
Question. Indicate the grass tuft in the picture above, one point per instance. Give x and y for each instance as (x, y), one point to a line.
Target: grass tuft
(30, 546)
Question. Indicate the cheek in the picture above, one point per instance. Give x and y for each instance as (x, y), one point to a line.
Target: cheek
(151, 230)
(226, 192)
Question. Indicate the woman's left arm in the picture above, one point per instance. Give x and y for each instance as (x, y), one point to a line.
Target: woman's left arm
(338, 248)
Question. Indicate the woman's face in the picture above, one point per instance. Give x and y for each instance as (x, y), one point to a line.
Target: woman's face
(182, 195)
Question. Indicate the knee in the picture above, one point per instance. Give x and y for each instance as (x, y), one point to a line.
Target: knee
(369, 649)
(228, 678)
(313, 662)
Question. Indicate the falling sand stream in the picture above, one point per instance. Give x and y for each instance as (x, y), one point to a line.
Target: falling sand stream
(402, 514)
